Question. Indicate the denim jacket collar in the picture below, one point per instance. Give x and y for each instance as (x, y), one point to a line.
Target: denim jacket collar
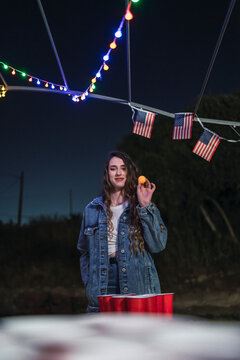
(99, 201)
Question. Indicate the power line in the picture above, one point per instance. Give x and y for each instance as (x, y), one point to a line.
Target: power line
(9, 187)
(9, 175)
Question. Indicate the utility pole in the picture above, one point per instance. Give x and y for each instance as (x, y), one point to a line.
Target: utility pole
(70, 203)
(20, 199)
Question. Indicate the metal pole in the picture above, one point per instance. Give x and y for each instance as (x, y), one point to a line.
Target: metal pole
(70, 203)
(128, 57)
(52, 42)
(214, 54)
(123, 102)
(20, 199)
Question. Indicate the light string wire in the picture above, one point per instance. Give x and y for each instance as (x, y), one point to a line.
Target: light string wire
(31, 77)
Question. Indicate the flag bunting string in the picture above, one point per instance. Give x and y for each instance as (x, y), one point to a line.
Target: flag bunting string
(222, 138)
(233, 128)
(205, 147)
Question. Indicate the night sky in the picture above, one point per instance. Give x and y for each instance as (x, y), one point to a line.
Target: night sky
(61, 145)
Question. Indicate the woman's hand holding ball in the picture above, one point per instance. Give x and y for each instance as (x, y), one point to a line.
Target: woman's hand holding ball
(145, 190)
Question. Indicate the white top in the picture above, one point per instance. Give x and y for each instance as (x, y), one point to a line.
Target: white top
(112, 240)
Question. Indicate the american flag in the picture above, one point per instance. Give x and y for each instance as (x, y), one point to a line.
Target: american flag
(207, 145)
(182, 126)
(143, 123)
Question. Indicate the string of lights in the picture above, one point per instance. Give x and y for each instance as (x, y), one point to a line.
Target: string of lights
(104, 66)
(32, 79)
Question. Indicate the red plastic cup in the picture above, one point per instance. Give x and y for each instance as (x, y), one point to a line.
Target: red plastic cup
(168, 304)
(159, 303)
(104, 302)
(137, 303)
(151, 303)
(100, 302)
(118, 303)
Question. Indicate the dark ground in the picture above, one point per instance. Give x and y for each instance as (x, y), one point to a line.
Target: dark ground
(214, 297)
(40, 271)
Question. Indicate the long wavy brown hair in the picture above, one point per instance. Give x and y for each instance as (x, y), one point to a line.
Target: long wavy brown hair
(130, 194)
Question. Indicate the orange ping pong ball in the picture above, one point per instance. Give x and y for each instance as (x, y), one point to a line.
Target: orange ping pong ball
(142, 179)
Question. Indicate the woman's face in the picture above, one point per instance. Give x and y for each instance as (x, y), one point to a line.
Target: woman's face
(117, 172)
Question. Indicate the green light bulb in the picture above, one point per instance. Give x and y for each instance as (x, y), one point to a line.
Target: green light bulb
(5, 66)
(93, 86)
(23, 74)
(135, 1)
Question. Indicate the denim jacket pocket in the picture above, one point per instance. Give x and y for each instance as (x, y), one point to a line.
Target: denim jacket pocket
(90, 232)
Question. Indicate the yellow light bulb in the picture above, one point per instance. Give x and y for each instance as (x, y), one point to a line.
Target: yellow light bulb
(94, 80)
(129, 15)
(46, 85)
(113, 45)
(105, 67)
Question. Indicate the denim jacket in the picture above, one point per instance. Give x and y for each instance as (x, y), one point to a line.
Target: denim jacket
(137, 272)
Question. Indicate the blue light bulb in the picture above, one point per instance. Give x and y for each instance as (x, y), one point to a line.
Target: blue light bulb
(106, 57)
(118, 34)
(98, 74)
(53, 87)
(38, 82)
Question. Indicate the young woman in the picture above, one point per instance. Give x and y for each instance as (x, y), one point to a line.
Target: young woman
(119, 231)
